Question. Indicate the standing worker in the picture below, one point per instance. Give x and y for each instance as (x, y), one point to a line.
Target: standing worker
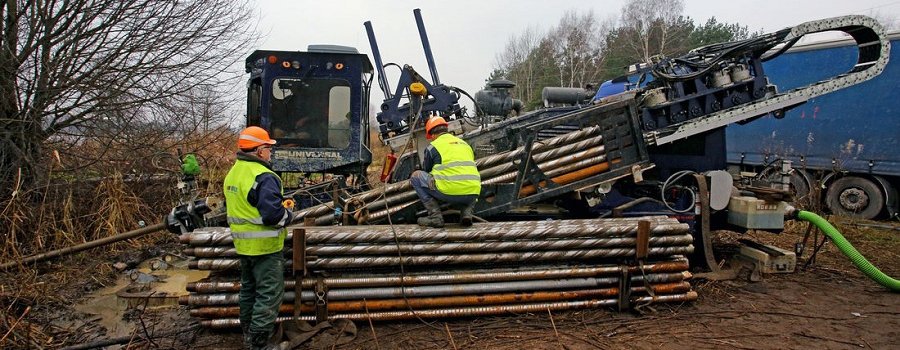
(253, 197)
(449, 175)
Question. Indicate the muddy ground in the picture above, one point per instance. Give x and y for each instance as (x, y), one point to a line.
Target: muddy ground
(827, 305)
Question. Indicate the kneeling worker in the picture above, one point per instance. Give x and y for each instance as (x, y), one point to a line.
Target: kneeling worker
(449, 175)
(253, 196)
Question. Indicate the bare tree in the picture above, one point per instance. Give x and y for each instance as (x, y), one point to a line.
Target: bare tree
(519, 64)
(579, 44)
(77, 68)
(651, 24)
(569, 54)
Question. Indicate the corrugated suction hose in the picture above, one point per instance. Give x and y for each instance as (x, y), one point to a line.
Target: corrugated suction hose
(858, 259)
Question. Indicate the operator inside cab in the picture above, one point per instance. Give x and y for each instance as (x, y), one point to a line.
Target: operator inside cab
(449, 176)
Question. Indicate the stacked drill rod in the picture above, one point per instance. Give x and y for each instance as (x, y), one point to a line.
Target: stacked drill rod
(564, 159)
(487, 269)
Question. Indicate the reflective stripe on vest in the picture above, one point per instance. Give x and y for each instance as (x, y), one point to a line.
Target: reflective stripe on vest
(251, 237)
(456, 175)
(257, 234)
(443, 166)
(257, 220)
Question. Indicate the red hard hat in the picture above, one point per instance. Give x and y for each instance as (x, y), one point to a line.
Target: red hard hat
(431, 123)
(252, 137)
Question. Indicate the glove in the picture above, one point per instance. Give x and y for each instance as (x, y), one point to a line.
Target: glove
(189, 165)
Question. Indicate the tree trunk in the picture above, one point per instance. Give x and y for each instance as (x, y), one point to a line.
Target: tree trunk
(19, 163)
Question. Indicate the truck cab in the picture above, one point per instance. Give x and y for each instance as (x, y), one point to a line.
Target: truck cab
(314, 103)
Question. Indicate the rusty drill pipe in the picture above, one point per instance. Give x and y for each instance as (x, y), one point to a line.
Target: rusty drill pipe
(483, 233)
(400, 197)
(551, 168)
(452, 301)
(478, 231)
(459, 248)
(222, 236)
(519, 246)
(470, 311)
(473, 276)
(538, 147)
(584, 149)
(505, 257)
(569, 178)
(391, 210)
(447, 289)
(85, 246)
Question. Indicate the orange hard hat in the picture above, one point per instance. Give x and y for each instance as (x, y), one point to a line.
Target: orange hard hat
(252, 137)
(431, 123)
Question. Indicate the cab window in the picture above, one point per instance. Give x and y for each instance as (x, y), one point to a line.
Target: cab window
(311, 112)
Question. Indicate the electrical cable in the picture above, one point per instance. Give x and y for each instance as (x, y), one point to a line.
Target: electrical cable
(394, 232)
(671, 180)
(780, 51)
(722, 52)
(478, 109)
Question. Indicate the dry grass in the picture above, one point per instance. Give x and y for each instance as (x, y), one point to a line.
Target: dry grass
(104, 199)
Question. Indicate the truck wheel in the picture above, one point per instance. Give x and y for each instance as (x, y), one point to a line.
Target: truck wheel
(855, 197)
(800, 184)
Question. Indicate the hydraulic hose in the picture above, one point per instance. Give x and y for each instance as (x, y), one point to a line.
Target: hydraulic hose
(858, 259)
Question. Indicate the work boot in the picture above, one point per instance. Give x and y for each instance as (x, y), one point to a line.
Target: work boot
(434, 218)
(245, 332)
(465, 215)
(262, 341)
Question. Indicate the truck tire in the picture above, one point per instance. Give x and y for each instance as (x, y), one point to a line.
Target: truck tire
(854, 197)
(800, 184)
(800, 188)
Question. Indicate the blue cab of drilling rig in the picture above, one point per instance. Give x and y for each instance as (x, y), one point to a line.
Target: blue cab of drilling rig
(314, 103)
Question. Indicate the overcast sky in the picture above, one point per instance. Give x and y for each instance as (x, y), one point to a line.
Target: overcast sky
(466, 35)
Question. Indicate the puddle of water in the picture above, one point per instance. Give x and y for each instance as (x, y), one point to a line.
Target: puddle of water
(104, 303)
(112, 302)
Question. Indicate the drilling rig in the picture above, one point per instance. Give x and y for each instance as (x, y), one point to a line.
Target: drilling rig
(608, 203)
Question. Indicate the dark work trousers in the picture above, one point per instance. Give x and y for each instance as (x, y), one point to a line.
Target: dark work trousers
(262, 288)
(423, 184)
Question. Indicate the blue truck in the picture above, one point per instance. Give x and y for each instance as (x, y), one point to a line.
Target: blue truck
(845, 143)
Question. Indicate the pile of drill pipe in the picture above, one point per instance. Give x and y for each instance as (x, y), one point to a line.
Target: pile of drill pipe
(458, 293)
(487, 269)
(347, 247)
(564, 159)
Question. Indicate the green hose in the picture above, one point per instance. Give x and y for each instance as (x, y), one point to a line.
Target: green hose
(860, 261)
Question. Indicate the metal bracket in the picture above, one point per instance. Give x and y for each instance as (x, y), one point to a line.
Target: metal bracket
(715, 273)
(298, 267)
(624, 302)
(321, 300)
(642, 248)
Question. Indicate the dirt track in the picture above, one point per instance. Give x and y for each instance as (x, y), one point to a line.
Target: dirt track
(816, 309)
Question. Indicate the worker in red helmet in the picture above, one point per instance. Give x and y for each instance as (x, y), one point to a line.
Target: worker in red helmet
(257, 218)
(449, 175)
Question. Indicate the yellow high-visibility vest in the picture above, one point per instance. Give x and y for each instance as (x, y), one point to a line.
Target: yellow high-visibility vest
(250, 236)
(456, 174)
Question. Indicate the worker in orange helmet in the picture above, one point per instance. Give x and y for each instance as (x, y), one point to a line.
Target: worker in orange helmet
(257, 218)
(449, 176)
